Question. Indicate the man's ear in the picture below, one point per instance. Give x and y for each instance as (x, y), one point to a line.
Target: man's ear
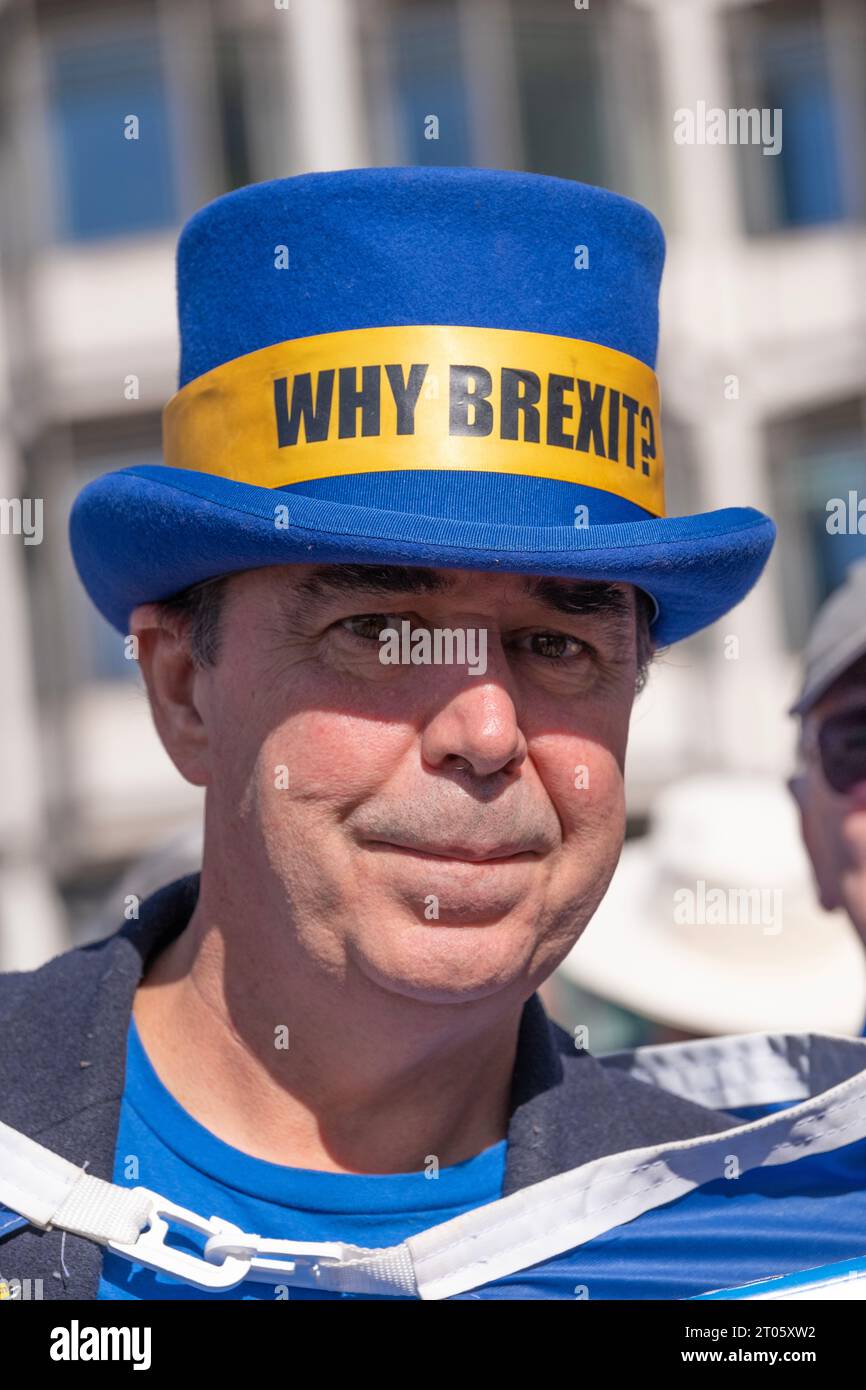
(173, 684)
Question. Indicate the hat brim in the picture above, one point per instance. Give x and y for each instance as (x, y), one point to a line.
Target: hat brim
(141, 534)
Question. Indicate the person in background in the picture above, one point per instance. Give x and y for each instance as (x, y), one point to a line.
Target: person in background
(830, 783)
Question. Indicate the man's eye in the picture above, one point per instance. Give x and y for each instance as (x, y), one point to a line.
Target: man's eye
(556, 646)
(367, 627)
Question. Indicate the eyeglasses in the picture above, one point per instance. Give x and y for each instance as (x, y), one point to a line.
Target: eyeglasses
(840, 743)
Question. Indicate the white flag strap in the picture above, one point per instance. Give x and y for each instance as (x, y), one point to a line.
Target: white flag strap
(50, 1191)
(565, 1211)
(232, 1255)
(328, 1264)
(488, 1243)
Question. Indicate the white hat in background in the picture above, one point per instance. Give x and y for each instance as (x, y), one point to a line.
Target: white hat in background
(711, 925)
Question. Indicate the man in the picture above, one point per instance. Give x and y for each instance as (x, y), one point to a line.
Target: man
(392, 594)
(830, 788)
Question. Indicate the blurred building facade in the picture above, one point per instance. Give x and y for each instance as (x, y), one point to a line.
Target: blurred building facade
(762, 358)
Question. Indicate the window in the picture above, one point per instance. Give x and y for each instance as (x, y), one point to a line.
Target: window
(814, 460)
(587, 91)
(521, 84)
(257, 137)
(800, 58)
(415, 73)
(101, 651)
(105, 651)
(560, 92)
(74, 646)
(98, 75)
(797, 82)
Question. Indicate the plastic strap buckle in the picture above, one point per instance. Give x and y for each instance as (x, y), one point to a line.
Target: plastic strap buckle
(307, 1263)
(150, 1249)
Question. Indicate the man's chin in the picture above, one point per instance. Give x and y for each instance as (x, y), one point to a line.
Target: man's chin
(441, 992)
(450, 963)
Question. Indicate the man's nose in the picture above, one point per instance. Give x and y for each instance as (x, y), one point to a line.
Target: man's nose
(478, 725)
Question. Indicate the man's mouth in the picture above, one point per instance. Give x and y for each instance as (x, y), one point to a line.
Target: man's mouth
(504, 854)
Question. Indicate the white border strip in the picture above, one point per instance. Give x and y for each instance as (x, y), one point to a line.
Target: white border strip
(743, 1068)
(572, 1208)
(34, 1181)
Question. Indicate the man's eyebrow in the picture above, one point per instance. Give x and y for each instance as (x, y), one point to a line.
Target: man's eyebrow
(578, 596)
(561, 595)
(328, 581)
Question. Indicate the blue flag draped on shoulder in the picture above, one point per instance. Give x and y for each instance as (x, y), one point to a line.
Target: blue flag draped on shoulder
(774, 1206)
(778, 1204)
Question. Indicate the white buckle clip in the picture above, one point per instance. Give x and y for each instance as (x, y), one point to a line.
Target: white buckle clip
(304, 1261)
(149, 1248)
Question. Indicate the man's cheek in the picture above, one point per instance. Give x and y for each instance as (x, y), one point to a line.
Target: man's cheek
(322, 760)
(587, 780)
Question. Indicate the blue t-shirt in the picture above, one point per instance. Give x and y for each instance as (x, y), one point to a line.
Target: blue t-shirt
(771, 1221)
(177, 1157)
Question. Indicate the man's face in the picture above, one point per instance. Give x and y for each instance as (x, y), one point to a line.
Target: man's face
(834, 825)
(446, 834)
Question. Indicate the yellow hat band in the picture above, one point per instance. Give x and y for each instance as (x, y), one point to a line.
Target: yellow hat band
(369, 400)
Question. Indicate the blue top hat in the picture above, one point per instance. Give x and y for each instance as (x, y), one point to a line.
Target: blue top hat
(449, 367)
